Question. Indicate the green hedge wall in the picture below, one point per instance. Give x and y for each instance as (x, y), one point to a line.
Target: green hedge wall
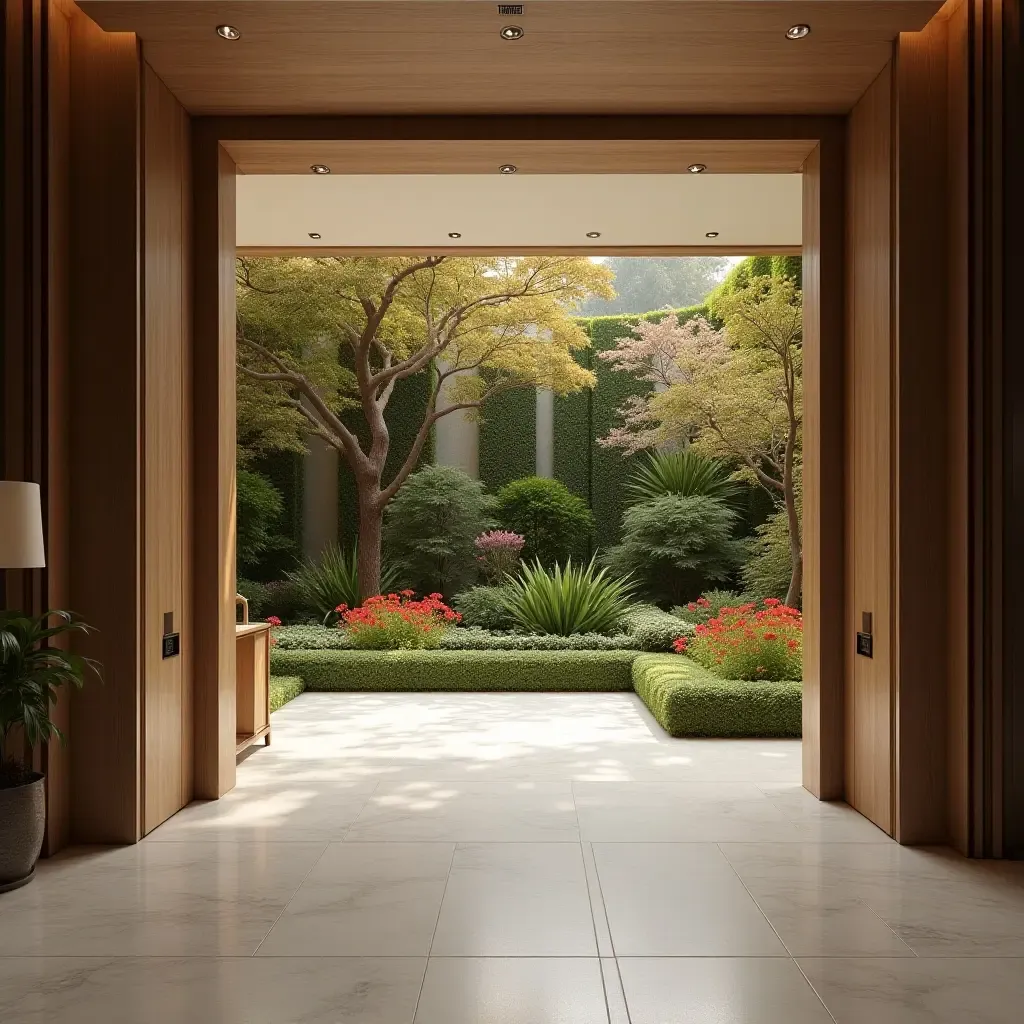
(508, 438)
(284, 471)
(284, 689)
(687, 700)
(484, 671)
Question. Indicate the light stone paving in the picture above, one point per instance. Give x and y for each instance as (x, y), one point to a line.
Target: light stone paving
(512, 859)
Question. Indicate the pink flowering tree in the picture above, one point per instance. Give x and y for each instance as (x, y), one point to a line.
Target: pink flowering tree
(498, 552)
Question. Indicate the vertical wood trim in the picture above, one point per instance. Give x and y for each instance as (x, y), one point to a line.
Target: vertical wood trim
(105, 441)
(214, 464)
(921, 460)
(166, 451)
(824, 556)
(869, 519)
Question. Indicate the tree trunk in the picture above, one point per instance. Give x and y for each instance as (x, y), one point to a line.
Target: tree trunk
(371, 518)
(796, 554)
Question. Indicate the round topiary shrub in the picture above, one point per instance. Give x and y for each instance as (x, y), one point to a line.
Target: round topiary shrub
(554, 521)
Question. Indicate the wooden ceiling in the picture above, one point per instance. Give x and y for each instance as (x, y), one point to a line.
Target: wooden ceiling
(446, 56)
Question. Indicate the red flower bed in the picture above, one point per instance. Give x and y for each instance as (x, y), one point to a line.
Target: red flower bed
(395, 622)
(750, 642)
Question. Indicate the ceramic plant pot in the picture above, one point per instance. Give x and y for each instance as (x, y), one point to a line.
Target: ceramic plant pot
(22, 823)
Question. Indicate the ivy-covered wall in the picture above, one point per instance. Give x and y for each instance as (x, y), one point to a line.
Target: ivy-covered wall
(284, 471)
(508, 438)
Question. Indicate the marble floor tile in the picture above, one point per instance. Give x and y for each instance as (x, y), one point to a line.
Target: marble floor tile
(157, 899)
(496, 990)
(703, 990)
(468, 812)
(365, 899)
(679, 899)
(919, 991)
(272, 809)
(245, 990)
(703, 812)
(819, 820)
(516, 899)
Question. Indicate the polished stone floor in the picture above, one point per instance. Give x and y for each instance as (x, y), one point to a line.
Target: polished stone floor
(512, 859)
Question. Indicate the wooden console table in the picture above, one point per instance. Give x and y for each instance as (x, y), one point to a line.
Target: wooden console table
(252, 684)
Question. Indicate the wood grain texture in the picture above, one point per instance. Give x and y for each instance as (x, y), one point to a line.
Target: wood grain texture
(616, 56)
(166, 511)
(213, 479)
(823, 471)
(921, 468)
(869, 444)
(105, 437)
(958, 443)
(530, 156)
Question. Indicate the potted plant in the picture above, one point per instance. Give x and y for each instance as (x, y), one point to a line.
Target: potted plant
(31, 673)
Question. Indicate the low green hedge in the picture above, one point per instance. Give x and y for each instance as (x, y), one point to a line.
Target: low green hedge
(653, 629)
(380, 671)
(687, 700)
(284, 689)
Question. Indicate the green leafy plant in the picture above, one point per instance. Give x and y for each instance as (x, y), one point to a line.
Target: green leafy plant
(653, 629)
(332, 580)
(674, 544)
(569, 600)
(31, 674)
(707, 606)
(683, 472)
(554, 521)
(432, 526)
(260, 505)
(485, 607)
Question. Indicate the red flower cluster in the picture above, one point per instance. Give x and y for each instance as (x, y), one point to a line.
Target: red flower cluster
(392, 621)
(701, 602)
(748, 642)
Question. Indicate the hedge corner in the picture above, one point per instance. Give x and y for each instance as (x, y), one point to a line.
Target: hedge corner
(687, 700)
(284, 689)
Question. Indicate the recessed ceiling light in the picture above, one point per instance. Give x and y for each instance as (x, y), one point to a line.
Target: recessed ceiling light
(454, 234)
(228, 32)
(593, 234)
(512, 32)
(508, 168)
(314, 234)
(320, 168)
(798, 31)
(697, 168)
(710, 234)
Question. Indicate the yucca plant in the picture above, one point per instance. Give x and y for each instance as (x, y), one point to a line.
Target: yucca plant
(31, 674)
(569, 600)
(683, 472)
(332, 580)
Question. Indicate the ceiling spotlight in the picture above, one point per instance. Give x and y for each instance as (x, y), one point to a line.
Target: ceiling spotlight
(508, 168)
(512, 32)
(710, 234)
(697, 168)
(798, 31)
(454, 234)
(314, 234)
(593, 234)
(320, 168)
(228, 32)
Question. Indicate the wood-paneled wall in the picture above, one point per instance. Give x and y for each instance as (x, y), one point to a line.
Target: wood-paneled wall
(213, 579)
(167, 451)
(869, 466)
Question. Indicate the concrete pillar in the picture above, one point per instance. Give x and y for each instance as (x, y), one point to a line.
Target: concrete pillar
(545, 433)
(456, 438)
(319, 498)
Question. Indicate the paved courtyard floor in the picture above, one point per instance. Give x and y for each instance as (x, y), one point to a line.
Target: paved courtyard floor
(512, 859)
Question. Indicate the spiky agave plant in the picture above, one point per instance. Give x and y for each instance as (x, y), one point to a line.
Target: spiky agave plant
(683, 472)
(332, 580)
(568, 600)
(31, 674)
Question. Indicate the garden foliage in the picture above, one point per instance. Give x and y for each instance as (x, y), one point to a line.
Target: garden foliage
(398, 622)
(653, 629)
(554, 521)
(499, 553)
(485, 607)
(323, 584)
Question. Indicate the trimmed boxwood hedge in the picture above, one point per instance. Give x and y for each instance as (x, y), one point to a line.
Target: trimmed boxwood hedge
(284, 689)
(409, 671)
(687, 700)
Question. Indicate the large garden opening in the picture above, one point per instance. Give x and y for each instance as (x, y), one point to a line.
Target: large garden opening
(481, 468)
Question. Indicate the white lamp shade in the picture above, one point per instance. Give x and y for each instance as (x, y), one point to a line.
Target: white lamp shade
(21, 526)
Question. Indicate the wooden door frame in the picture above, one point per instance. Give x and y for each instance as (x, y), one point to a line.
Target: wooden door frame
(214, 357)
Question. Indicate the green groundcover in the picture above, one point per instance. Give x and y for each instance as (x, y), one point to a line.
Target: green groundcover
(686, 699)
(284, 689)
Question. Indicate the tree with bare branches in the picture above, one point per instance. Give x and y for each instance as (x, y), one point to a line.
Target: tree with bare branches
(319, 338)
